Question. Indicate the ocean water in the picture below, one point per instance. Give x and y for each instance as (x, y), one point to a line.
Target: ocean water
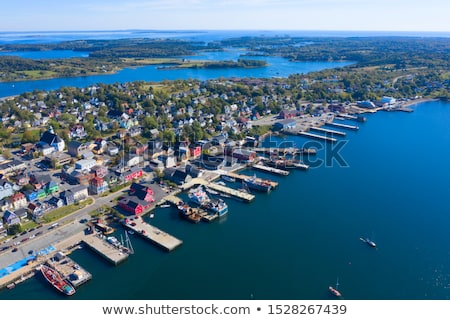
(297, 240)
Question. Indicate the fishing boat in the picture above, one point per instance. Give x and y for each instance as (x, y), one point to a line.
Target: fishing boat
(198, 195)
(217, 206)
(211, 191)
(55, 279)
(188, 213)
(335, 291)
(228, 178)
(369, 242)
(258, 184)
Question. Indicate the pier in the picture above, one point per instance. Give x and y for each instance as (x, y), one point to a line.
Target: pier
(284, 151)
(349, 117)
(155, 235)
(316, 136)
(328, 131)
(242, 177)
(224, 189)
(270, 169)
(341, 125)
(105, 249)
(69, 270)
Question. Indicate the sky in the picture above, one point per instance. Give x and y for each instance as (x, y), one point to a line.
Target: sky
(352, 15)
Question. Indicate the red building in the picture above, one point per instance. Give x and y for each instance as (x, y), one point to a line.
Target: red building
(134, 173)
(195, 151)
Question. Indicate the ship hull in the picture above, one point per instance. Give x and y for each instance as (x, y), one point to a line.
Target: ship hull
(55, 279)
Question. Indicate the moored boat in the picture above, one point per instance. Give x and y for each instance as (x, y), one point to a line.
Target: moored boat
(216, 206)
(228, 178)
(198, 195)
(334, 291)
(55, 279)
(188, 213)
(258, 184)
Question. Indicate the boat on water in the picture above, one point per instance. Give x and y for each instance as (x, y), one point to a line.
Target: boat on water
(228, 178)
(211, 191)
(56, 280)
(369, 242)
(188, 213)
(284, 163)
(217, 206)
(258, 184)
(198, 196)
(105, 229)
(335, 291)
(165, 205)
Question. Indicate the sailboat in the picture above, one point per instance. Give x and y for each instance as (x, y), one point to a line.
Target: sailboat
(334, 291)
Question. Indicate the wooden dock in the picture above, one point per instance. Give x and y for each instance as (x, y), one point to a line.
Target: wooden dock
(270, 169)
(155, 235)
(105, 249)
(316, 136)
(328, 131)
(342, 126)
(174, 200)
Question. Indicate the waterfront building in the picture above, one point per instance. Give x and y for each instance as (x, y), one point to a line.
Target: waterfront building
(284, 124)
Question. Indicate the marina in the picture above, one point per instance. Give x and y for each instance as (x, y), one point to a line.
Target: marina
(152, 233)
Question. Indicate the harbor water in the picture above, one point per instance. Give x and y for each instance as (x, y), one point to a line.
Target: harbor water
(292, 243)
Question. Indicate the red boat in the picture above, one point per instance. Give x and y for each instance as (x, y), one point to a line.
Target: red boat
(56, 280)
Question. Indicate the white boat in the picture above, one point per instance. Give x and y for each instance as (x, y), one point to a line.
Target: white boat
(165, 206)
(198, 196)
(211, 191)
(228, 178)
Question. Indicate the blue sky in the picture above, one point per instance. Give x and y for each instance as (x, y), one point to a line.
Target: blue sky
(359, 15)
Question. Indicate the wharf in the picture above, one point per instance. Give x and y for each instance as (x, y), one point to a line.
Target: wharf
(270, 169)
(348, 117)
(155, 235)
(232, 192)
(242, 177)
(105, 249)
(174, 200)
(69, 269)
(284, 151)
(319, 129)
(341, 125)
(316, 136)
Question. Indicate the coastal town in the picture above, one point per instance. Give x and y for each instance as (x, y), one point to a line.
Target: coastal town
(84, 157)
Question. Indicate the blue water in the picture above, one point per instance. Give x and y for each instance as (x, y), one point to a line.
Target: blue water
(53, 54)
(297, 240)
(278, 67)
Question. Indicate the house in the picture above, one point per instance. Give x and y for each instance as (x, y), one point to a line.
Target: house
(78, 193)
(12, 167)
(112, 149)
(30, 195)
(58, 159)
(6, 204)
(85, 164)
(50, 138)
(243, 155)
(19, 200)
(131, 174)
(77, 132)
(131, 160)
(139, 148)
(56, 202)
(22, 213)
(155, 148)
(101, 145)
(99, 171)
(97, 185)
(22, 179)
(177, 176)
(288, 114)
(39, 181)
(10, 218)
(195, 151)
(139, 200)
(76, 148)
(134, 131)
(6, 188)
(36, 210)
